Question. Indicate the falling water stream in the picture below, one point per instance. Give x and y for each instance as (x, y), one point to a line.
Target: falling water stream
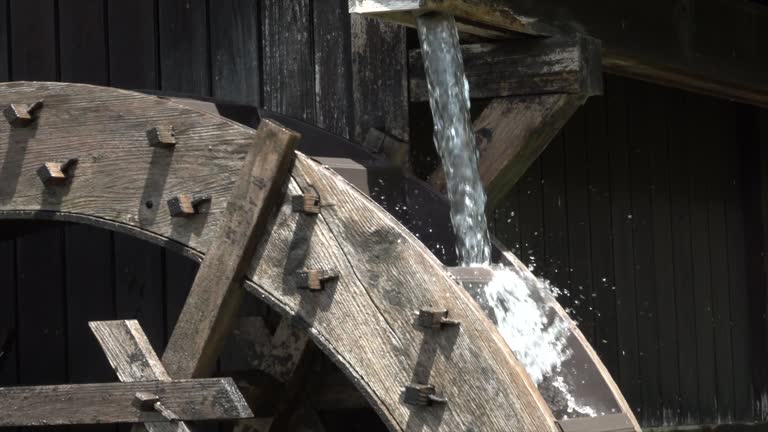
(520, 305)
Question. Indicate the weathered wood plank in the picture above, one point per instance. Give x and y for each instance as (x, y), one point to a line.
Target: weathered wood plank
(133, 35)
(215, 296)
(289, 72)
(522, 67)
(235, 44)
(185, 65)
(204, 399)
(379, 82)
(333, 73)
(83, 43)
(518, 129)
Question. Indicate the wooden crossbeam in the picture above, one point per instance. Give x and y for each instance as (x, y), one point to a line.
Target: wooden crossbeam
(202, 399)
(566, 64)
(211, 308)
(133, 359)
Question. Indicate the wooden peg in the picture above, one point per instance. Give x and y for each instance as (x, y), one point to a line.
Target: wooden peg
(185, 205)
(422, 395)
(162, 136)
(145, 401)
(314, 280)
(434, 318)
(55, 172)
(20, 115)
(307, 203)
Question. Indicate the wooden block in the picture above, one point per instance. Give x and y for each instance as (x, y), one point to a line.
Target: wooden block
(434, 318)
(162, 136)
(205, 399)
(307, 203)
(20, 115)
(421, 395)
(606, 423)
(211, 307)
(185, 205)
(314, 280)
(51, 173)
(145, 401)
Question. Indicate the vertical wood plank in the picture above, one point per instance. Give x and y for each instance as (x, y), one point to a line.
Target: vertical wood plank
(289, 72)
(603, 282)
(579, 247)
(531, 219)
(34, 54)
(133, 44)
(715, 148)
(555, 201)
(235, 46)
(8, 364)
(83, 42)
(333, 66)
(645, 128)
(506, 221)
(90, 297)
(379, 81)
(700, 137)
(664, 261)
(4, 31)
(180, 273)
(139, 290)
(682, 255)
(623, 242)
(184, 49)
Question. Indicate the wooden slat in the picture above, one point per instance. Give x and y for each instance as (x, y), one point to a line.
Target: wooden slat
(184, 53)
(680, 193)
(235, 45)
(133, 44)
(180, 272)
(531, 218)
(555, 267)
(215, 296)
(520, 128)
(204, 399)
(4, 54)
(379, 82)
(129, 351)
(605, 423)
(289, 73)
(83, 42)
(333, 66)
(8, 359)
(522, 67)
(33, 40)
(623, 243)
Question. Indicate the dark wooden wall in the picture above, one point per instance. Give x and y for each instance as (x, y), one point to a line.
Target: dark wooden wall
(646, 211)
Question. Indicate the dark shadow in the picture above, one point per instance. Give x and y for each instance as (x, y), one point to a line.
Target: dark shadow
(440, 340)
(154, 185)
(10, 172)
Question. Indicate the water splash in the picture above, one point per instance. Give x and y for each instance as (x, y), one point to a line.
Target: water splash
(454, 138)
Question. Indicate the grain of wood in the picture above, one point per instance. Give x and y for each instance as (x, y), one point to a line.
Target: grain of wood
(206, 399)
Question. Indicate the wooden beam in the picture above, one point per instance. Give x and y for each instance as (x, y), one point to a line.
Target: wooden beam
(512, 132)
(132, 357)
(213, 302)
(569, 64)
(703, 46)
(204, 399)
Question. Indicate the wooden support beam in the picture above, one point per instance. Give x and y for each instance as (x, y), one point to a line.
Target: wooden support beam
(132, 357)
(568, 64)
(512, 132)
(213, 302)
(203, 399)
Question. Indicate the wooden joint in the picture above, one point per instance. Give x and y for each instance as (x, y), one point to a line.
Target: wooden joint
(146, 401)
(315, 280)
(307, 203)
(434, 318)
(21, 115)
(162, 136)
(185, 205)
(55, 172)
(422, 395)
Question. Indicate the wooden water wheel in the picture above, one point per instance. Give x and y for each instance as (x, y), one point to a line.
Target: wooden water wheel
(264, 221)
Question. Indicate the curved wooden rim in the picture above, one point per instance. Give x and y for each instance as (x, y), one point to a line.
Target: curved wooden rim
(364, 321)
